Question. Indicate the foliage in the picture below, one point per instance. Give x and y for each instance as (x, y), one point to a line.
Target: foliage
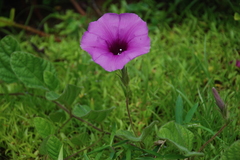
(56, 103)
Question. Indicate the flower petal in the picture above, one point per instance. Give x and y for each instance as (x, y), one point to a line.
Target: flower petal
(130, 26)
(93, 44)
(106, 27)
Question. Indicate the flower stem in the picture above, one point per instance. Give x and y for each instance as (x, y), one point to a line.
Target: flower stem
(125, 81)
(129, 116)
(220, 130)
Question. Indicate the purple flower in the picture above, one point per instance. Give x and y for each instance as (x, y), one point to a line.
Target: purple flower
(115, 39)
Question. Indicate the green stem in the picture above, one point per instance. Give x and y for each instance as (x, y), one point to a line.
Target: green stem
(129, 115)
(125, 81)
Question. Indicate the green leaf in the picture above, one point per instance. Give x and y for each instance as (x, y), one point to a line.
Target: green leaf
(12, 14)
(53, 147)
(80, 139)
(43, 147)
(128, 135)
(60, 156)
(5, 22)
(232, 153)
(52, 96)
(84, 111)
(81, 110)
(178, 135)
(8, 45)
(190, 113)
(43, 126)
(30, 69)
(51, 80)
(179, 110)
(236, 16)
(58, 116)
(70, 93)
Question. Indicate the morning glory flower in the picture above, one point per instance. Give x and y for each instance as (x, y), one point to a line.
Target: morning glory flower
(115, 39)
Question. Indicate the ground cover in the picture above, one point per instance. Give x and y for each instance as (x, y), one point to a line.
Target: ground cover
(171, 96)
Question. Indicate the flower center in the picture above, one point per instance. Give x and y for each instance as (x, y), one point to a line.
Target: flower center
(118, 47)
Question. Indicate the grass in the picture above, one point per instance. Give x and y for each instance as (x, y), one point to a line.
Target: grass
(186, 59)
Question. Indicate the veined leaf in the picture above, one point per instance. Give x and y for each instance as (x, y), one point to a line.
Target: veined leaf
(232, 153)
(51, 80)
(178, 135)
(43, 126)
(8, 45)
(30, 69)
(53, 147)
(70, 93)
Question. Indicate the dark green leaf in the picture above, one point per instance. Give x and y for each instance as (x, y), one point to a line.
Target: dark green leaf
(80, 139)
(58, 116)
(190, 113)
(233, 152)
(8, 45)
(30, 69)
(128, 135)
(70, 93)
(84, 111)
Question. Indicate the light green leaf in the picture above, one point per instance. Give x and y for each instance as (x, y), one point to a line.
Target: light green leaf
(51, 80)
(8, 45)
(190, 113)
(70, 93)
(43, 126)
(236, 16)
(29, 69)
(52, 96)
(81, 110)
(60, 156)
(233, 152)
(178, 135)
(128, 135)
(5, 22)
(179, 110)
(53, 147)
(84, 111)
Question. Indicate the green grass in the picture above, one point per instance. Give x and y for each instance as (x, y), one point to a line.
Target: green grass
(186, 59)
